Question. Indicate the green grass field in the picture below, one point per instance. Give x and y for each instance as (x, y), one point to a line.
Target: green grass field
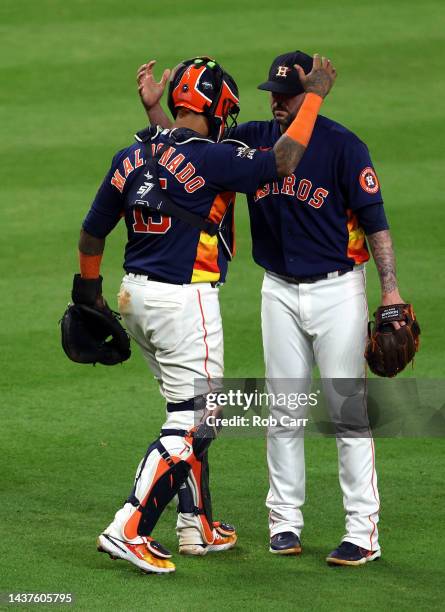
(71, 436)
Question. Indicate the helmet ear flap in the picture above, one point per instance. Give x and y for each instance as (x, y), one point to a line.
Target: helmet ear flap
(227, 104)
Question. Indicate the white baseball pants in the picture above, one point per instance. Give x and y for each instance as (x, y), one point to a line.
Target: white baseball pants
(179, 330)
(323, 323)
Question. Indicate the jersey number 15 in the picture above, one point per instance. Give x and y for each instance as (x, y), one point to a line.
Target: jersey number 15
(154, 223)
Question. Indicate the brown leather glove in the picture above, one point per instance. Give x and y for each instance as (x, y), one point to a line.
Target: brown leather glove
(389, 350)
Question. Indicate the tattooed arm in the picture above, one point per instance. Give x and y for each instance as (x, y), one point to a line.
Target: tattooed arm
(383, 253)
(288, 153)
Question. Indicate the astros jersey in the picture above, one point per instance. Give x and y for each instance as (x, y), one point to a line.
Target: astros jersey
(199, 175)
(306, 224)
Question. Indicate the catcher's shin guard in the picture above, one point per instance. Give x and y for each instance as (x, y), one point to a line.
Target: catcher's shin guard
(198, 533)
(163, 469)
(195, 500)
(194, 493)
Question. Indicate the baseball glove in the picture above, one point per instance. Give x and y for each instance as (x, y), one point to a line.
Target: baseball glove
(92, 334)
(389, 350)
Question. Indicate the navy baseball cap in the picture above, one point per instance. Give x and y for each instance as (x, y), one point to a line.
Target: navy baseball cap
(283, 78)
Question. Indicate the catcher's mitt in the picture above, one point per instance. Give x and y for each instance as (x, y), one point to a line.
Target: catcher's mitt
(92, 334)
(389, 350)
(84, 336)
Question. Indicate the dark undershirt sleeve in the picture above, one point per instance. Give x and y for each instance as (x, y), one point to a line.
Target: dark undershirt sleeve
(372, 218)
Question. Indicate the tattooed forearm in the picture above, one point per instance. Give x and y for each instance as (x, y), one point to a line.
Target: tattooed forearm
(288, 153)
(320, 83)
(383, 253)
(89, 245)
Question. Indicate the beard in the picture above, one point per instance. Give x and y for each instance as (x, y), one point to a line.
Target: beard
(283, 117)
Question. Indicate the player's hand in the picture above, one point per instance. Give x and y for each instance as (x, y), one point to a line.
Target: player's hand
(150, 91)
(388, 299)
(320, 79)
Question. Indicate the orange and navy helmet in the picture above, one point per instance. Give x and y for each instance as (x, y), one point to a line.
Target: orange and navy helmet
(203, 86)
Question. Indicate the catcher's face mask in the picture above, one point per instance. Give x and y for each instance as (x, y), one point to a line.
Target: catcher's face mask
(203, 86)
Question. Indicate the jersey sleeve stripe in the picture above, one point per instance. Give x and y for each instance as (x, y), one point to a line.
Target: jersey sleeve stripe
(205, 268)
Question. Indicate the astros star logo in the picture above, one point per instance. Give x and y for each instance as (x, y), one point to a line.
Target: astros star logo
(368, 180)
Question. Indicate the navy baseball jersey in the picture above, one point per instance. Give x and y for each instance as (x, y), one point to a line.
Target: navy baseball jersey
(306, 224)
(199, 175)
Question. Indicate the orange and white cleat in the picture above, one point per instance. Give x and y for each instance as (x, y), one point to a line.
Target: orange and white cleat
(225, 537)
(148, 555)
(192, 543)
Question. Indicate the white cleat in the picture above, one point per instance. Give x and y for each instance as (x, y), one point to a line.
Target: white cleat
(224, 539)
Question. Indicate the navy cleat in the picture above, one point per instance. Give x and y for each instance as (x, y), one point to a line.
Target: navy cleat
(285, 543)
(351, 554)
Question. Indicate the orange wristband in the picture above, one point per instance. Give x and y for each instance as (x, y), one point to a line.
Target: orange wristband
(89, 265)
(301, 127)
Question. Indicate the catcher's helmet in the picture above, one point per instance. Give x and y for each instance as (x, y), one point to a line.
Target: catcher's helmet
(203, 86)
